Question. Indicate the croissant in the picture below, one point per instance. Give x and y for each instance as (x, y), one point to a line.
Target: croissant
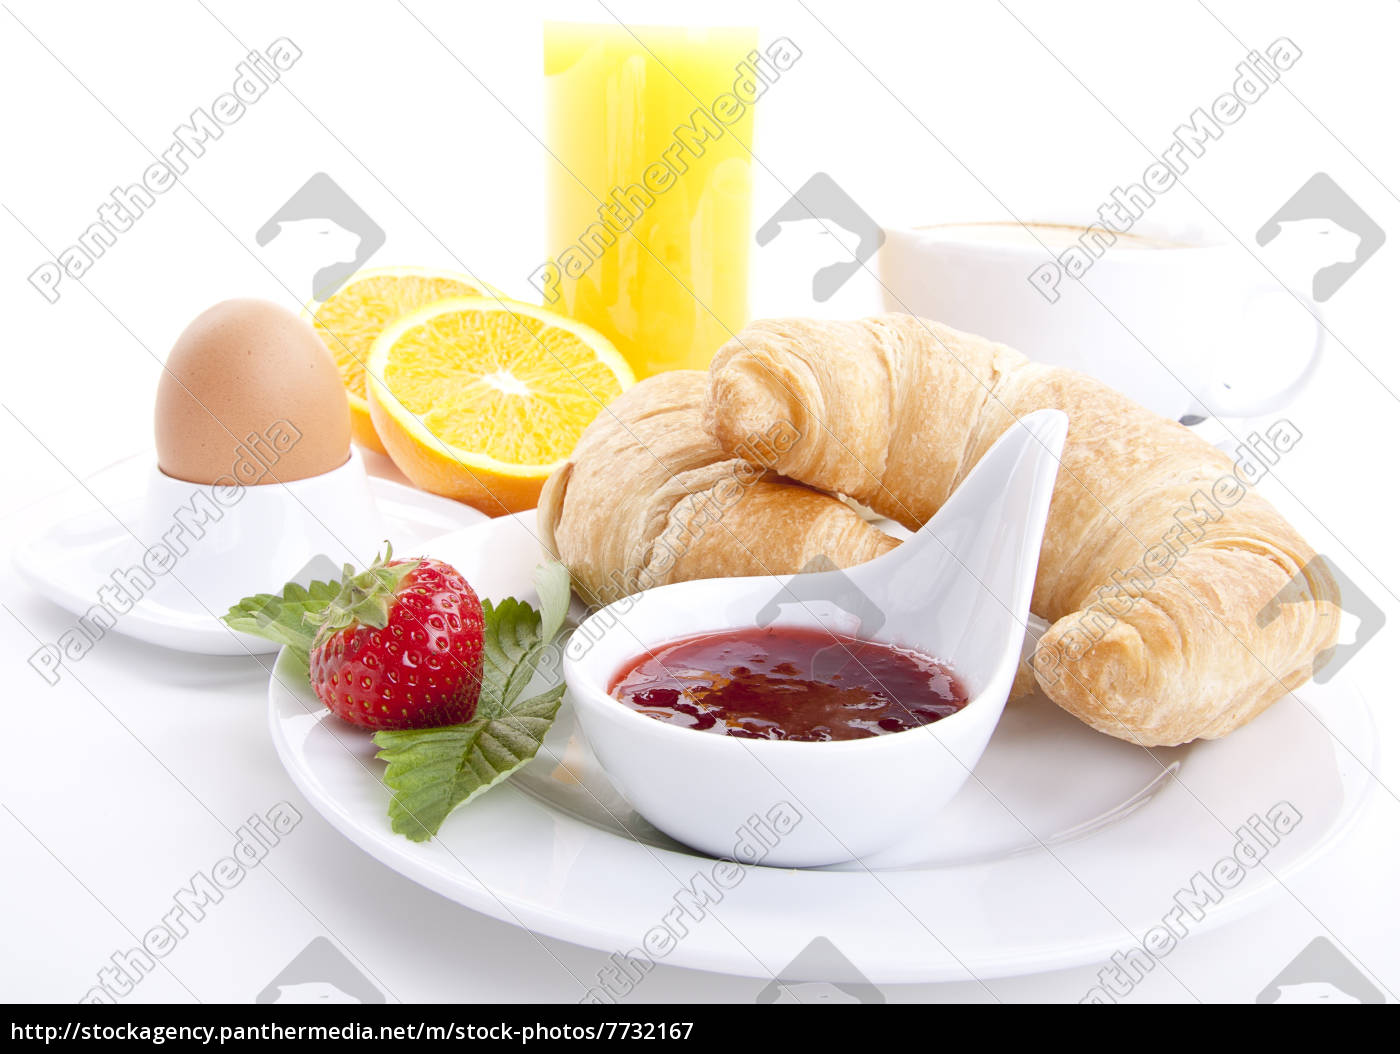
(648, 498)
(1157, 559)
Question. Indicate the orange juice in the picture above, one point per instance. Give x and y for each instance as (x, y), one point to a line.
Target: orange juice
(649, 186)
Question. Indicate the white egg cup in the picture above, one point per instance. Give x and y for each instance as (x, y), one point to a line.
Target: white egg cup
(219, 543)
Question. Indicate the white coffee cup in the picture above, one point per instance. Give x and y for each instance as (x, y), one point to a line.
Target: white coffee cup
(1160, 320)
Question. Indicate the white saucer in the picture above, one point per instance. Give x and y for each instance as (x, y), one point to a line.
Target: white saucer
(70, 557)
(1067, 846)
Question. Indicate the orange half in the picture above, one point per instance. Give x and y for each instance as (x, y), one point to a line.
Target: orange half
(481, 399)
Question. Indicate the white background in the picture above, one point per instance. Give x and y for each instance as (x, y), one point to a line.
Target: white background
(1041, 109)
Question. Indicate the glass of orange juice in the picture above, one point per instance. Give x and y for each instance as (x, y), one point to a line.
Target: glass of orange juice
(649, 186)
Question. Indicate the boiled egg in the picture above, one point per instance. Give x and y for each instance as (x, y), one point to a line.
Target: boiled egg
(251, 394)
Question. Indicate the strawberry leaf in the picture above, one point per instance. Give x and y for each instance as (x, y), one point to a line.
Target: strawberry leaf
(290, 618)
(555, 590)
(434, 770)
(511, 648)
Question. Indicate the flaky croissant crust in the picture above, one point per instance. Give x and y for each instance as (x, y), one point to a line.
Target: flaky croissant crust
(647, 498)
(1157, 559)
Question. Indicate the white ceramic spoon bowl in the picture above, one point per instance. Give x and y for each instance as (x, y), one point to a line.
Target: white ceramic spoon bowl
(958, 590)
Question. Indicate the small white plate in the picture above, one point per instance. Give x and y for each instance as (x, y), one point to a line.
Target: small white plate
(70, 557)
(1067, 845)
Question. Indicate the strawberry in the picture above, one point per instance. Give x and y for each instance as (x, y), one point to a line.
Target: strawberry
(400, 646)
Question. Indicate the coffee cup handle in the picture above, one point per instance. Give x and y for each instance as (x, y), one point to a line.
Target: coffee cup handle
(1225, 401)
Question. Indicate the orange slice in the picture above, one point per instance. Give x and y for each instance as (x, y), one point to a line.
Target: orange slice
(351, 320)
(481, 399)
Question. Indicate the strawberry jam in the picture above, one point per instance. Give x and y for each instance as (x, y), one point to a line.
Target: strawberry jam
(792, 683)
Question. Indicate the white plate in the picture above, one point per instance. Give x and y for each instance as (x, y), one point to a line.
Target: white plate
(1067, 846)
(70, 557)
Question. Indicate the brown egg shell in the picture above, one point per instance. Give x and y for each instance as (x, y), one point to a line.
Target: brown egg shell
(250, 392)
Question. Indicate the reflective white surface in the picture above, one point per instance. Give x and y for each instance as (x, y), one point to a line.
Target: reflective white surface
(254, 545)
(1066, 846)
